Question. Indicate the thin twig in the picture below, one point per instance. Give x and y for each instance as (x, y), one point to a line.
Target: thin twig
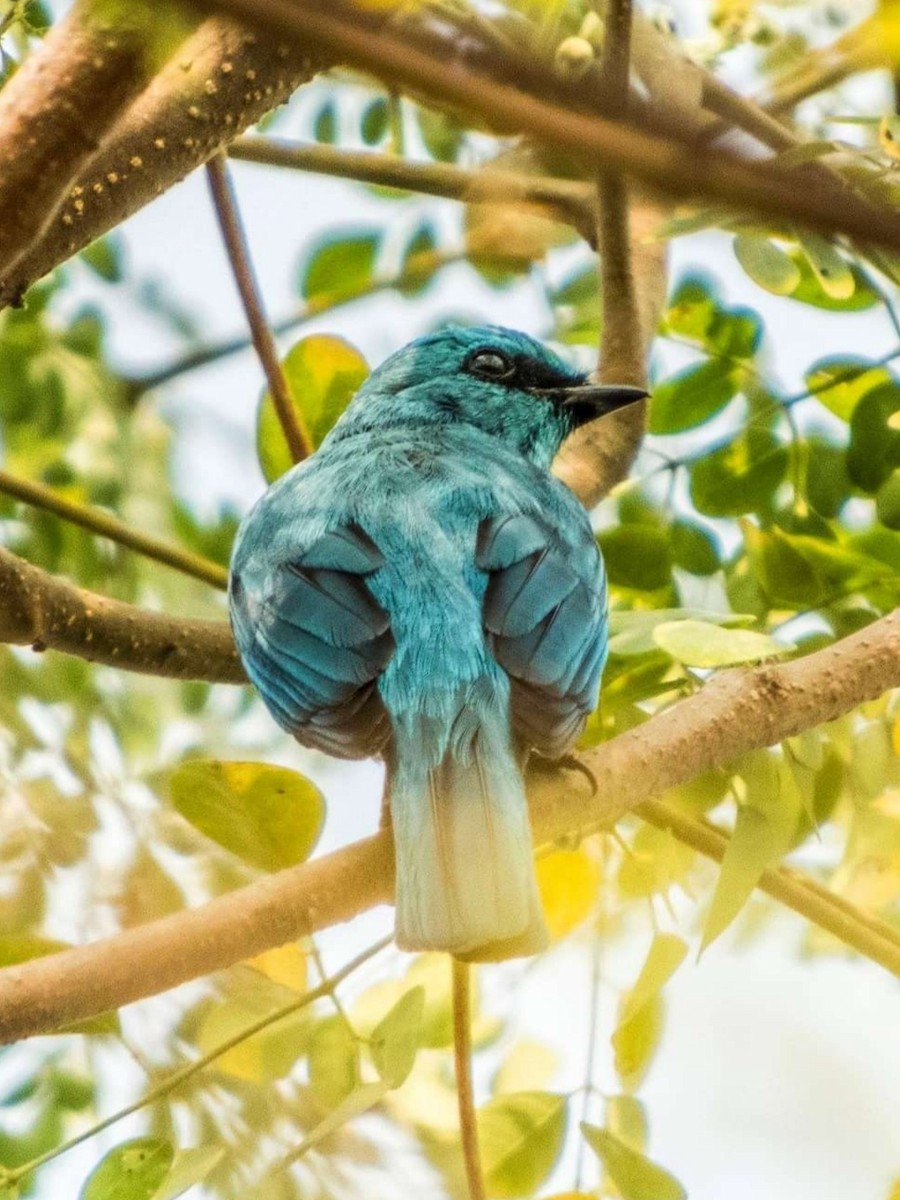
(183, 1074)
(416, 268)
(484, 185)
(868, 935)
(462, 1066)
(95, 520)
(590, 1053)
(225, 202)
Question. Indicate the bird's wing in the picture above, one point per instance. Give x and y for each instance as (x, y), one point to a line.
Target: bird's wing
(545, 619)
(316, 643)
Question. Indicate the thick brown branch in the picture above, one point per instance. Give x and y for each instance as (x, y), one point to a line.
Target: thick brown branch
(222, 79)
(597, 458)
(634, 277)
(55, 113)
(736, 712)
(49, 613)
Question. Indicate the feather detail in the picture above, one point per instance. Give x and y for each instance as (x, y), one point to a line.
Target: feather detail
(465, 869)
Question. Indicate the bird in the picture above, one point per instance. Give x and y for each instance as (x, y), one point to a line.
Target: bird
(422, 589)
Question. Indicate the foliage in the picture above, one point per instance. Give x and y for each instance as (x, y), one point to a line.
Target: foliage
(761, 522)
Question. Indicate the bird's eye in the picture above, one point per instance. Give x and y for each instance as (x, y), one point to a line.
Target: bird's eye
(491, 364)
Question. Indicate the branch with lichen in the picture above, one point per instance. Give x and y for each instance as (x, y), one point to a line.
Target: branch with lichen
(49, 613)
(221, 79)
(737, 711)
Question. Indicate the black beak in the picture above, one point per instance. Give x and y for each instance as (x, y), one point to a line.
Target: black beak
(587, 401)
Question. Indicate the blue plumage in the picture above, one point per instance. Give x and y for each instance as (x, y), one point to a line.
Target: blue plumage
(422, 589)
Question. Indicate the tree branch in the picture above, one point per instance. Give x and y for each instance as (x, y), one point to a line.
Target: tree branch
(48, 613)
(737, 711)
(868, 935)
(222, 79)
(569, 199)
(632, 286)
(756, 186)
(57, 110)
(296, 435)
(95, 520)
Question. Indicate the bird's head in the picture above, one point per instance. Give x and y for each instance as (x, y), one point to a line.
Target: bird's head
(504, 383)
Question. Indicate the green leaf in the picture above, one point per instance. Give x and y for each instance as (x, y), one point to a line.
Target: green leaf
(741, 477)
(874, 449)
(666, 954)
(420, 261)
(396, 1039)
(694, 549)
(133, 1170)
(840, 383)
(810, 289)
(442, 134)
(520, 1136)
(798, 571)
(692, 396)
(827, 482)
(333, 1061)
(375, 121)
(887, 502)
(325, 124)
(104, 257)
(635, 1177)
(637, 556)
(831, 270)
(701, 644)
(751, 848)
(767, 264)
(268, 816)
(340, 266)
(189, 1168)
(323, 374)
(632, 632)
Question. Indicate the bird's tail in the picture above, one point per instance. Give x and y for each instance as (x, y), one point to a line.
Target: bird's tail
(465, 868)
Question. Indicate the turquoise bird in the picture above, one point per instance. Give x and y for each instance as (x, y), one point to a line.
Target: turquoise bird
(423, 589)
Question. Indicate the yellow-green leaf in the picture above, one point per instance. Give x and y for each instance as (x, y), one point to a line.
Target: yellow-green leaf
(354, 1105)
(133, 1170)
(666, 954)
(396, 1039)
(626, 1119)
(267, 1055)
(567, 881)
(323, 373)
(751, 848)
(635, 1176)
(832, 271)
(333, 1061)
(635, 1041)
(529, 1066)
(767, 264)
(520, 1137)
(269, 816)
(702, 644)
(189, 1168)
